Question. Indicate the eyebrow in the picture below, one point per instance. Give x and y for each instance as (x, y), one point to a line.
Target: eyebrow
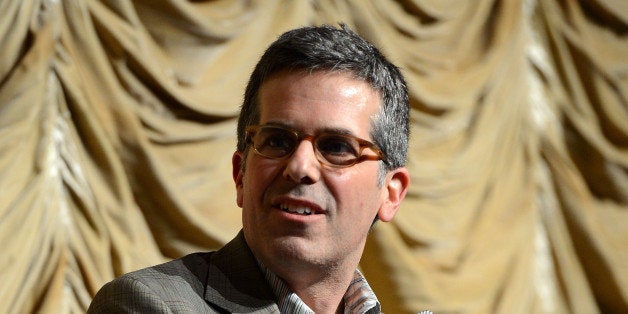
(332, 130)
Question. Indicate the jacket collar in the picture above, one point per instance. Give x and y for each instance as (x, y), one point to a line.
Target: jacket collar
(235, 282)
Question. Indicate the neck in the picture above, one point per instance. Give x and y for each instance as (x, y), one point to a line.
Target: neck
(320, 286)
(320, 283)
(325, 293)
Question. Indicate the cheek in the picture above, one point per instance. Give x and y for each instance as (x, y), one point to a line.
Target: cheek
(356, 192)
(258, 176)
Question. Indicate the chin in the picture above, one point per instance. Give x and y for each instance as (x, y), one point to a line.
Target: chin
(293, 248)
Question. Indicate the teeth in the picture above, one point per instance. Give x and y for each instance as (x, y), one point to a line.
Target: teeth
(296, 209)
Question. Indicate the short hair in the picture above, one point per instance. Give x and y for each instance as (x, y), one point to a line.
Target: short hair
(330, 49)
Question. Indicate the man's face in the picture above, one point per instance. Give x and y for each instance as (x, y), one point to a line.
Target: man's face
(343, 201)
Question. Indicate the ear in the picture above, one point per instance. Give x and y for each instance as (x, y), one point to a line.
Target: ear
(236, 163)
(396, 186)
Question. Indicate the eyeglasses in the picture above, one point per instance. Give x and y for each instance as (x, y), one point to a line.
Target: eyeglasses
(332, 149)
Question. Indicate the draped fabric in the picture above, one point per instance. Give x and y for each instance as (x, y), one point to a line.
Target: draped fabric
(117, 126)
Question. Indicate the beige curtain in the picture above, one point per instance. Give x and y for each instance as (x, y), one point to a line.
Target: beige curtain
(117, 125)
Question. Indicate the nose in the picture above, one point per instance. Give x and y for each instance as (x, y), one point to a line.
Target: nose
(303, 166)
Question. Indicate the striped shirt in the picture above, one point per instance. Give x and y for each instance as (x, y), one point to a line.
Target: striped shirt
(359, 297)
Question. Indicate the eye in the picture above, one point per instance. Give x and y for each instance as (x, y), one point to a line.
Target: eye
(336, 146)
(278, 140)
(275, 142)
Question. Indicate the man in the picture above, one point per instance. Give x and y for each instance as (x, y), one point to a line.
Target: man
(322, 143)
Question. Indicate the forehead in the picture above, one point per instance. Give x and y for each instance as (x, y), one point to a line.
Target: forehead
(311, 101)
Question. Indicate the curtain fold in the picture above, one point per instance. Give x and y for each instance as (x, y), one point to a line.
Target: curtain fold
(117, 127)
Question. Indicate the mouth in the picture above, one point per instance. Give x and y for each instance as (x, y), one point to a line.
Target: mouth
(296, 209)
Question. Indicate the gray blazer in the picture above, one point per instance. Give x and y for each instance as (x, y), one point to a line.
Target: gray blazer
(226, 281)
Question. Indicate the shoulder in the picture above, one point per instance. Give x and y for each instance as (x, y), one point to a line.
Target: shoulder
(159, 288)
(228, 280)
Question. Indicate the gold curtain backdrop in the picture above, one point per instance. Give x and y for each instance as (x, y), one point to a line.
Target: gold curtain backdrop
(117, 125)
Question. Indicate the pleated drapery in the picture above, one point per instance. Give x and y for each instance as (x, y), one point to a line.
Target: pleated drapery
(117, 126)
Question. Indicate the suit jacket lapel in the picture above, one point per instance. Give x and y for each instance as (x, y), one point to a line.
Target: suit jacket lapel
(235, 282)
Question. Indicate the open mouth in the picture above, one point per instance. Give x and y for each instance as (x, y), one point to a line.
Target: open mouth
(296, 209)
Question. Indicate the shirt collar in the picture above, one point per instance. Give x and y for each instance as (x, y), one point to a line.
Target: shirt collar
(359, 297)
